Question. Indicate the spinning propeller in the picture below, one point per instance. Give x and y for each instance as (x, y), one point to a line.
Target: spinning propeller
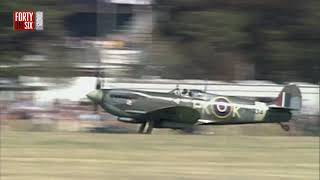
(97, 87)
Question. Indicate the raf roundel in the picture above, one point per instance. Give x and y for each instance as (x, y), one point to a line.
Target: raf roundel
(222, 107)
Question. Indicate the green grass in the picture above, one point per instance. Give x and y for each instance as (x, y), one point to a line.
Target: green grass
(60, 155)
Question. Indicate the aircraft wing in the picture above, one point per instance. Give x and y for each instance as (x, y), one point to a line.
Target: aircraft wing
(176, 114)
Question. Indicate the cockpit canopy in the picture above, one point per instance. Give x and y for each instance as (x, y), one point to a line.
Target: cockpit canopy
(191, 93)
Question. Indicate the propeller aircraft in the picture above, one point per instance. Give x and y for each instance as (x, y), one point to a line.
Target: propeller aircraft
(186, 108)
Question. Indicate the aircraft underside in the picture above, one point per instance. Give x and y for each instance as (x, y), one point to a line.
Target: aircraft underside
(147, 126)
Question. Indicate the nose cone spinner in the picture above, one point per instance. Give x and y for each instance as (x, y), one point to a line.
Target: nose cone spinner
(95, 96)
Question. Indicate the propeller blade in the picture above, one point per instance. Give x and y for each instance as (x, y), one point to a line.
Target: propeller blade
(98, 87)
(95, 107)
(98, 84)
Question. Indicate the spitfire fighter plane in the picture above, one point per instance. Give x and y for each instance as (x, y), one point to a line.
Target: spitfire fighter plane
(185, 108)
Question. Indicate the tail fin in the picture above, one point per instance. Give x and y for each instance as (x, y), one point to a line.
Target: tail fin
(289, 98)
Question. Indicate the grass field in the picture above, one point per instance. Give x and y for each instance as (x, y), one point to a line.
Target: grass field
(79, 156)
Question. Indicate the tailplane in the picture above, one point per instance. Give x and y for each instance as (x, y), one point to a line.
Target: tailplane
(289, 98)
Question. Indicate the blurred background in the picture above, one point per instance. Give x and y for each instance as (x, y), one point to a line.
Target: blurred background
(244, 48)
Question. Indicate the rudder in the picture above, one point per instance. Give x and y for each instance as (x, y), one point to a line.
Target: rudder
(289, 98)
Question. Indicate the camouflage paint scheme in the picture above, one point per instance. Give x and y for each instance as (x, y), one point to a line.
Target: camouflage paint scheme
(183, 108)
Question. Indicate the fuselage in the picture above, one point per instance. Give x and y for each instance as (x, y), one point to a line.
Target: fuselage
(134, 106)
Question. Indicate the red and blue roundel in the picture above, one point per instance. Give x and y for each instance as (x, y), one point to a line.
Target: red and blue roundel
(222, 107)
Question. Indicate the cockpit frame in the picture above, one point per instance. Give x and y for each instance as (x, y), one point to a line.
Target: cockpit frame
(189, 93)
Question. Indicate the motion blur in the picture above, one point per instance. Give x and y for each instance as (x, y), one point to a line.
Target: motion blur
(268, 41)
(245, 48)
